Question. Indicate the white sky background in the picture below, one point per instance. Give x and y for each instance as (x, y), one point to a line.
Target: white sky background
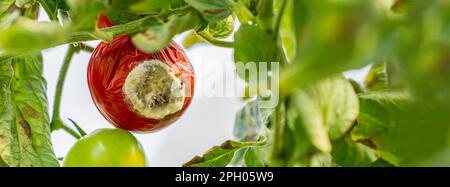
(207, 122)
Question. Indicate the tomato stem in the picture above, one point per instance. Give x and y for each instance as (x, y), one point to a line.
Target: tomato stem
(126, 28)
(81, 132)
(215, 42)
(56, 122)
(86, 48)
(280, 17)
(66, 128)
(53, 15)
(281, 54)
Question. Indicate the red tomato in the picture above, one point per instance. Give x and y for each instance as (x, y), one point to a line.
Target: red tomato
(140, 100)
(104, 22)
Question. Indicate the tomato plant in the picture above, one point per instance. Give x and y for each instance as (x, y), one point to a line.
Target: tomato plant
(106, 148)
(396, 114)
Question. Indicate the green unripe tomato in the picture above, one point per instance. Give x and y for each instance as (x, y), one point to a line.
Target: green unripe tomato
(106, 148)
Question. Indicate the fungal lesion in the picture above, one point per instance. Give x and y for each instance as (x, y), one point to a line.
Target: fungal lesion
(153, 90)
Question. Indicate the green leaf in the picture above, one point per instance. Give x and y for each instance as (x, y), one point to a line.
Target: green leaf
(26, 36)
(191, 39)
(288, 141)
(51, 7)
(180, 24)
(6, 13)
(25, 3)
(158, 35)
(321, 160)
(221, 29)
(317, 115)
(376, 114)
(2, 163)
(356, 86)
(84, 13)
(146, 6)
(377, 79)
(156, 6)
(119, 11)
(248, 54)
(250, 120)
(62, 5)
(349, 153)
(244, 15)
(311, 120)
(421, 54)
(24, 121)
(246, 50)
(378, 119)
(379, 163)
(287, 31)
(266, 14)
(332, 37)
(220, 156)
(212, 10)
(238, 158)
(327, 110)
(4, 6)
(153, 39)
(252, 158)
(403, 130)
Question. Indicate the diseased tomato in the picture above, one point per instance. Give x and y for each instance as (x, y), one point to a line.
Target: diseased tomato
(106, 148)
(137, 91)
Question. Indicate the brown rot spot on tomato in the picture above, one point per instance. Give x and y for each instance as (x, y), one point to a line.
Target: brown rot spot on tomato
(153, 90)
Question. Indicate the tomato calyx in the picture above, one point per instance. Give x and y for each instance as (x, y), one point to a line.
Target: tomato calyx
(153, 90)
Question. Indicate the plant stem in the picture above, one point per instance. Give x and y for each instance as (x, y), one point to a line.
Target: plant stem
(53, 17)
(276, 34)
(86, 48)
(79, 129)
(214, 41)
(117, 30)
(56, 122)
(280, 17)
(265, 14)
(127, 28)
(281, 53)
(66, 128)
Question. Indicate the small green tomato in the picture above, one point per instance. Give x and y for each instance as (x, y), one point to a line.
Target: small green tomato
(106, 148)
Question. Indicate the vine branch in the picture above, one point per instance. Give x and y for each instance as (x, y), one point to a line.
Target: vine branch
(56, 122)
(214, 41)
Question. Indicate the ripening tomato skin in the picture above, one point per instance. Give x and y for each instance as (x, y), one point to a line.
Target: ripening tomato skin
(104, 22)
(108, 68)
(106, 148)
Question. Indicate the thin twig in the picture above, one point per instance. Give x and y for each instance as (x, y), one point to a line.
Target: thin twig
(216, 42)
(56, 122)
